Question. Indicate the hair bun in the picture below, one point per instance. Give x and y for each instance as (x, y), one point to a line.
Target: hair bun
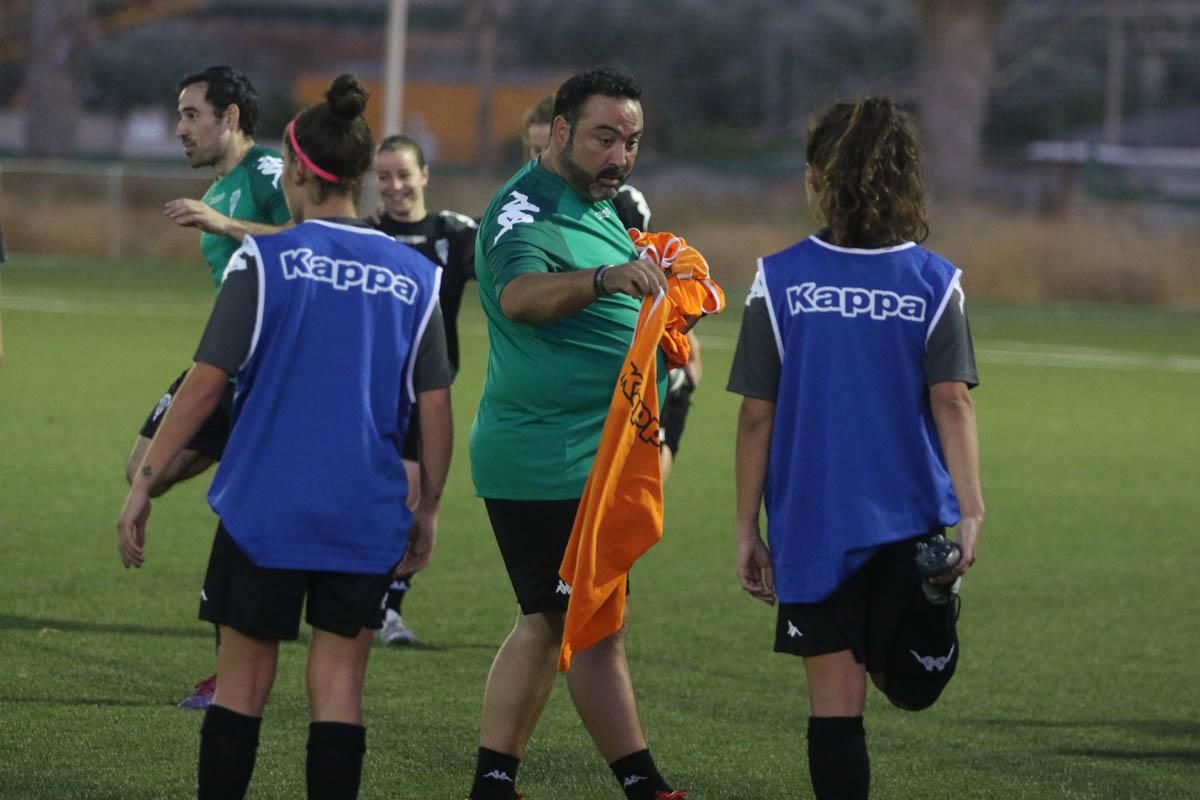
(347, 98)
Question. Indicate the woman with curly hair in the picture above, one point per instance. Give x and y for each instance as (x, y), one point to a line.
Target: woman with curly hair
(858, 434)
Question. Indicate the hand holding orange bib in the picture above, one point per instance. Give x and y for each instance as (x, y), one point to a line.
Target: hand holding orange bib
(620, 513)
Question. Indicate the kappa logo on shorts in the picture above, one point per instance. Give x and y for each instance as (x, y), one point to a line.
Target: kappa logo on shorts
(852, 301)
(497, 775)
(203, 596)
(793, 632)
(163, 403)
(931, 663)
(563, 588)
(344, 275)
(514, 212)
(633, 779)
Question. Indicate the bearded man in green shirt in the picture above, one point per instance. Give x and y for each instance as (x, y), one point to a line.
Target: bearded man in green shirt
(561, 285)
(218, 110)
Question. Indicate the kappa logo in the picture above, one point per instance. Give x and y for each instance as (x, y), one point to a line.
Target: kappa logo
(931, 663)
(497, 775)
(234, 197)
(852, 301)
(345, 275)
(270, 167)
(442, 248)
(757, 289)
(793, 632)
(163, 404)
(418, 238)
(514, 212)
(641, 416)
(203, 596)
(563, 588)
(633, 779)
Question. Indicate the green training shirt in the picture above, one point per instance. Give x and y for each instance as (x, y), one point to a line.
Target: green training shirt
(548, 387)
(250, 192)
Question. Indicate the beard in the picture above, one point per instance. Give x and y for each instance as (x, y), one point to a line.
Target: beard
(585, 182)
(199, 157)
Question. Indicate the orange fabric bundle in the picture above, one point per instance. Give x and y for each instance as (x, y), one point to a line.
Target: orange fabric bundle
(620, 513)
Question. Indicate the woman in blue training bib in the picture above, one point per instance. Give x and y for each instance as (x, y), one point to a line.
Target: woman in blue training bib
(333, 333)
(857, 433)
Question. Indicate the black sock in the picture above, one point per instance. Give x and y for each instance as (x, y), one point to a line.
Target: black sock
(335, 757)
(638, 776)
(837, 758)
(495, 776)
(395, 596)
(217, 630)
(228, 746)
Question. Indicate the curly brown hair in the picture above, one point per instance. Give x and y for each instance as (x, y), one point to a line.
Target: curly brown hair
(867, 174)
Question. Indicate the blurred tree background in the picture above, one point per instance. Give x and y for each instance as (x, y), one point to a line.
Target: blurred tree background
(1083, 111)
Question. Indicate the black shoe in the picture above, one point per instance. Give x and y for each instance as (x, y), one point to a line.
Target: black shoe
(937, 555)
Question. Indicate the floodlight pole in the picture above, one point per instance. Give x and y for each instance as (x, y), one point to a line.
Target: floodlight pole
(1114, 76)
(393, 71)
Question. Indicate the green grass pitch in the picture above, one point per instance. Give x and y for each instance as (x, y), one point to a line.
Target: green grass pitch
(1080, 636)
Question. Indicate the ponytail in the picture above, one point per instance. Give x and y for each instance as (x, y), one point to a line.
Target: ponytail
(868, 174)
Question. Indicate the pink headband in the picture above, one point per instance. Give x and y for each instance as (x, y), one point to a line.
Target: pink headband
(305, 160)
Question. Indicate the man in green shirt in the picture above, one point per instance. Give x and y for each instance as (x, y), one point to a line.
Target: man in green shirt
(218, 109)
(561, 286)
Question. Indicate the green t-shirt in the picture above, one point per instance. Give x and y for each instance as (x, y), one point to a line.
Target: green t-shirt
(249, 192)
(548, 387)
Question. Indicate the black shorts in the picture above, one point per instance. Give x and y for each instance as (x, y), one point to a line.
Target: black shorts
(675, 410)
(533, 536)
(210, 440)
(265, 603)
(863, 615)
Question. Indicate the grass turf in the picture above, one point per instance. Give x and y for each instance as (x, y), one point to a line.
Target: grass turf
(1078, 670)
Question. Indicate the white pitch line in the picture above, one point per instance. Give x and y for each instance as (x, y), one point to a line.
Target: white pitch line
(1030, 354)
(125, 306)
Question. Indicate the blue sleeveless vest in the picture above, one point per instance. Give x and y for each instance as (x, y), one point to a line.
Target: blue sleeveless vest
(312, 477)
(855, 461)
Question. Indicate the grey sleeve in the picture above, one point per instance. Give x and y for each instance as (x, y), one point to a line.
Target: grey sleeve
(230, 331)
(949, 353)
(756, 363)
(432, 369)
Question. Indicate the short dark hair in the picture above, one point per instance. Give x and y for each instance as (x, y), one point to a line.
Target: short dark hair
(399, 141)
(227, 87)
(334, 135)
(576, 90)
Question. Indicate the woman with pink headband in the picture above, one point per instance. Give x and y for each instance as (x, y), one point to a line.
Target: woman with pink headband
(334, 333)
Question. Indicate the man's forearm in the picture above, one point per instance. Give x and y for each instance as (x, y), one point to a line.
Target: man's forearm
(239, 228)
(536, 298)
